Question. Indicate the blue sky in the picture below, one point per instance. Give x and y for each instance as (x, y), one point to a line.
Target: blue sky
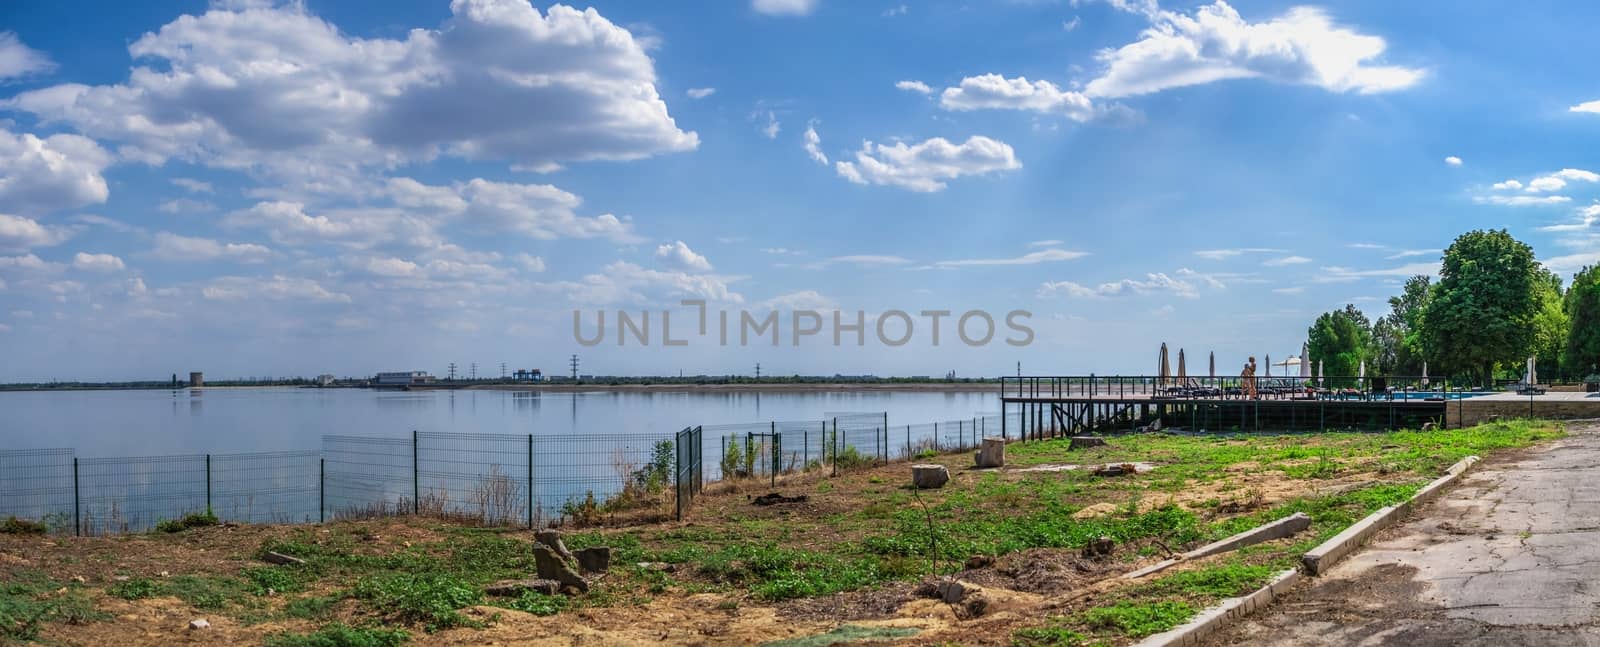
(257, 188)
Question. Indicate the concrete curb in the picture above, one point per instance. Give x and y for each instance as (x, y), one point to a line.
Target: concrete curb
(1279, 529)
(1323, 557)
(1217, 617)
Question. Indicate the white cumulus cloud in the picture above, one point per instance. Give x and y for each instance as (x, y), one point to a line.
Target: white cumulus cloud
(38, 176)
(995, 92)
(21, 234)
(282, 90)
(928, 165)
(1215, 43)
(97, 262)
(173, 247)
(677, 254)
(914, 86)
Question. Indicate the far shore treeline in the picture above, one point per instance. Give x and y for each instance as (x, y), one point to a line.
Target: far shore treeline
(1492, 307)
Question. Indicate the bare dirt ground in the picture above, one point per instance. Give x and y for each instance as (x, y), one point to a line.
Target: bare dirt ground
(1017, 590)
(1508, 557)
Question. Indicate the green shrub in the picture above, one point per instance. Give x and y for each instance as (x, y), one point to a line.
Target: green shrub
(137, 588)
(341, 635)
(15, 526)
(191, 520)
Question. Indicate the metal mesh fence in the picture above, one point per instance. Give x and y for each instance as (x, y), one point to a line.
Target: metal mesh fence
(36, 484)
(121, 495)
(577, 476)
(266, 487)
(479, 478)
(368, 477)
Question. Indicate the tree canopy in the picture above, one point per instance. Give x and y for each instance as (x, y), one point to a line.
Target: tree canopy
(1340, 340)
(1582, 304)
(1483, 310)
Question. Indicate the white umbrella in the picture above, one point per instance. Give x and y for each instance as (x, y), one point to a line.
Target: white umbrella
(1424, 372)
(1269, 366)
(1532, 376)
(1305, 364)
(1363, 374)
(1319, 372)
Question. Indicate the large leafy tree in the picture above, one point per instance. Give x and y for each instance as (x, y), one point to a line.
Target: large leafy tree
(1483, 310)
(1340, 340)
(1582, 306)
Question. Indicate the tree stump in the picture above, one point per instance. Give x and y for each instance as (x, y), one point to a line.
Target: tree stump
(929, 477)
(992, 453)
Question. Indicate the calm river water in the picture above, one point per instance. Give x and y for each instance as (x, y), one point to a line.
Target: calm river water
(156, 422)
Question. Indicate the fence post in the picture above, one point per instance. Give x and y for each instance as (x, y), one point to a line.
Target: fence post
(777, 454)
(805, 448)
(908, 442)
(322, 490)
(77, 518)
(416, 479)
(530, 483)
(208, 483)
(835, 444)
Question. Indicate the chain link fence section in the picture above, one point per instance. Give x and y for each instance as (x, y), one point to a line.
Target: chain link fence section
(266, 487)
(858, 439)
(36, 485)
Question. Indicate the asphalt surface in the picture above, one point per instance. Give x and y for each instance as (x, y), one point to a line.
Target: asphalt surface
(1509, 556)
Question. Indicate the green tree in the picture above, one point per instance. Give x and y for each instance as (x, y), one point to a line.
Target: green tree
(1340, 340)
(1482, 312)
(1582, 306)
(1550, 325)
(1397, 348)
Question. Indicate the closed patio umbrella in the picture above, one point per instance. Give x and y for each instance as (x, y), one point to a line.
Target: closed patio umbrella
(1305, 363)
(1319, 372)
(1213, 364)
(1183, 373)
(1163, 368)
(1269, 365)
(1424, 373)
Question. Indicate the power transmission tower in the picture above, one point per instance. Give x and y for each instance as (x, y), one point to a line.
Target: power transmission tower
(452, 377)
(758, 370)
(474, 370)
(574, 363)
(502, 370)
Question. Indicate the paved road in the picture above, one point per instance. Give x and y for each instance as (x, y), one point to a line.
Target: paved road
(1510, 556)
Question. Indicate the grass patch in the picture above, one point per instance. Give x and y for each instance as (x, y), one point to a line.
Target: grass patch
(341, 635)
(208, 593)
(433, 600)
(30, 599)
